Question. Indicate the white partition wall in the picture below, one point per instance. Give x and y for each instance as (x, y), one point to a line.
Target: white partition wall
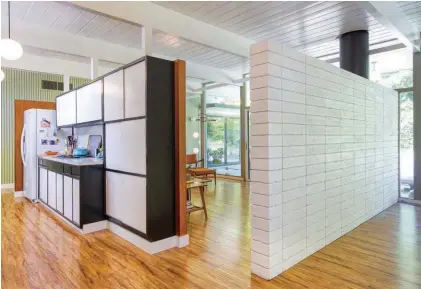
(324, 155)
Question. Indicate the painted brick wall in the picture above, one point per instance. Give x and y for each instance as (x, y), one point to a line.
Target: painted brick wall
(324, 155)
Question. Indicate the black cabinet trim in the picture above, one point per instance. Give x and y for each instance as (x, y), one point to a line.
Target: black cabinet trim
(127, 227)
(125, 173)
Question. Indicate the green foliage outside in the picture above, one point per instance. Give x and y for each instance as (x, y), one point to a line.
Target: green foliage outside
(403, 79)
(216, 134)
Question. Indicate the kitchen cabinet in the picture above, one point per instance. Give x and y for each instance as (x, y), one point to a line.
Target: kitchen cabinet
(76, 202)
(66, 109)
(131, 134)
(59, 190)
(135, 90)
(75, 191)
(68, 197)
(52, 187)
(126, 199)
(113, 96)
(43, 185)
(89, 102)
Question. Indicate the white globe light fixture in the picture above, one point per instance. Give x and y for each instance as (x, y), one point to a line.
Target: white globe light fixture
(196, 150)
(195, 134)
(9, 48)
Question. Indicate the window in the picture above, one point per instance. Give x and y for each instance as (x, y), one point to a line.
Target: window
(392, 68)
(223, 130)
(406, 144)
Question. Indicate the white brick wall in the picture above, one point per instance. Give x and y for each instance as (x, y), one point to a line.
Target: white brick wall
(324, 155)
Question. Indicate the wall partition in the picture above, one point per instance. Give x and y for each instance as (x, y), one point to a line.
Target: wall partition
(324, 155)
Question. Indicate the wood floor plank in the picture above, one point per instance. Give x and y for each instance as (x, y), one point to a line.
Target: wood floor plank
(39, 251)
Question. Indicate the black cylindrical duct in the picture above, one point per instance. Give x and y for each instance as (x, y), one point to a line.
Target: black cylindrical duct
(354, 52)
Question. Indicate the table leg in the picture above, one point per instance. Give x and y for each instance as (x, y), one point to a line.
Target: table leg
(202, 195)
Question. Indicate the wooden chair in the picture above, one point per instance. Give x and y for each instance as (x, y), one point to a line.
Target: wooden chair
(199, 171)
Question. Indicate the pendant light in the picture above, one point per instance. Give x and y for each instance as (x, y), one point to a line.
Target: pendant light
(9, 48)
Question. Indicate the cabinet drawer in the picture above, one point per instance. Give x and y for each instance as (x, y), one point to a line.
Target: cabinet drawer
(75, 171)
(67, 169)
(55, 167)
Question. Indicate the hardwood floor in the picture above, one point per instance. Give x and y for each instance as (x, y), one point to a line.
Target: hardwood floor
(39, 251)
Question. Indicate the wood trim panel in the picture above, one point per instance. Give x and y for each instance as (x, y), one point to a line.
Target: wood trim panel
(20, 107)
(180, 146)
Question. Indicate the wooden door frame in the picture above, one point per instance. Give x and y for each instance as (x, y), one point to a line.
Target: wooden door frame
(20, 107)
(180, 147)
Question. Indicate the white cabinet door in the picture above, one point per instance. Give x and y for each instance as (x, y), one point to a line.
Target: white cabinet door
(76, 202)
(113, 96)
(126, 199)
(59, 191)
(52, 187)
(68, 197)
(66, 109)
(135, 90)
(132, 135)
(89, 105)
(43, 184)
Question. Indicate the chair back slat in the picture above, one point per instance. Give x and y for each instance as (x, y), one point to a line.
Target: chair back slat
(191, 159)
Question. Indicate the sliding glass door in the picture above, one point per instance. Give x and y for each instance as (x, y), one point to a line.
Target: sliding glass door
(406, 143)
(223, 143)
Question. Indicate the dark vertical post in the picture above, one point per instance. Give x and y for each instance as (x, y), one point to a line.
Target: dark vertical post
(354, 52)
(417, 125)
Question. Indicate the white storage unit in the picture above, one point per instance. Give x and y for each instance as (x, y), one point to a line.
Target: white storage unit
(68, 197)
(76, 201)
(89, 102)
(52, 187)
(66, 109)
(135, 90)
(43, 185)
(126, 199)
(125, 145)
(59, 190)
(113, 96)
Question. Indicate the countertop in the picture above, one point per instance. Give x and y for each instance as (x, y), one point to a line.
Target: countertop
(91, 161)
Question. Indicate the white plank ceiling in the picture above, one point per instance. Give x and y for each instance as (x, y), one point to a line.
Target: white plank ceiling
(311, 27)
(412, 9)
(64, 17)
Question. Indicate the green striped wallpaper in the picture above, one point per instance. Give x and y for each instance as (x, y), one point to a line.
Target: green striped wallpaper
(78, 81)
(22, 85)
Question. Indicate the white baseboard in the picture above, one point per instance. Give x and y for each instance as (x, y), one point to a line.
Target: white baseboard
(94, 227)
(18, 194)
(88, 228)
(183, 241)
(7, 186)
(145, 245)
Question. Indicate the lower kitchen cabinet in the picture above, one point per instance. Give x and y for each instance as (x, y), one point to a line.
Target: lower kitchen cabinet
(59, 193)
(75, 192)
(76, 202)
(68, 197)
(52, 190)
(43, 185)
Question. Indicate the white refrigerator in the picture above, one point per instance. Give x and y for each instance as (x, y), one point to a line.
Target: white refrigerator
(39, 134)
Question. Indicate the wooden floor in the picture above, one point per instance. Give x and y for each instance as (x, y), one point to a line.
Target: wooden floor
(40, 252)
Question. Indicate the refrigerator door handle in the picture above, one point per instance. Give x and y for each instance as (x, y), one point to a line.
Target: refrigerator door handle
(22, 137)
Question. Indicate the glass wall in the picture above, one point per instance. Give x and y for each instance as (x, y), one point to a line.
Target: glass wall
(193, 124)
(406, 144)
(223, 130)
